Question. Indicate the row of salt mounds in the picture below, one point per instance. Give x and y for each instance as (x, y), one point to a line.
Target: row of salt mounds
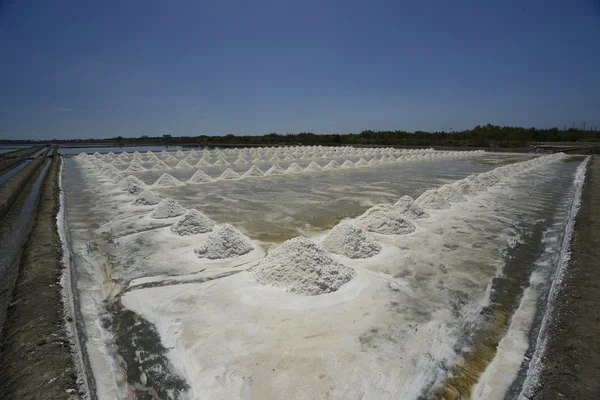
(385, 220)
(132, 185)
(224, 242)
(168, 208)
(301, 266)
(166, 180)
(407, 207)
(146, 198)
(351, 241)
(192, 223)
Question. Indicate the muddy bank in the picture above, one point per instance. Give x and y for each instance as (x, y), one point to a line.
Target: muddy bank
(35, 355)
(11, 189)
(14, 158)
(571, 364)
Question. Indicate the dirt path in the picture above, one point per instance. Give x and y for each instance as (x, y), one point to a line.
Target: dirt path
(35, 357)
(572, 360)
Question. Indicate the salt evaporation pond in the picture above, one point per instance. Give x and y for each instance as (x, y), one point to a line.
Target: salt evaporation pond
(221, 299)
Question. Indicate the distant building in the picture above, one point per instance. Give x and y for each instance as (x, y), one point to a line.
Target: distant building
(144, 136)
(166, 136)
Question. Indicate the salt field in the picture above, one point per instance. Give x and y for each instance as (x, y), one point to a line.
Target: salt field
(314, 272)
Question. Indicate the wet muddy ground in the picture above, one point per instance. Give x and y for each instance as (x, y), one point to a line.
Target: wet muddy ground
(572, 359)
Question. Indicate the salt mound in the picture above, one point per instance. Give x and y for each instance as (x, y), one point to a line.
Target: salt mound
(464, 187)
(168, 208)
(146, 198)
(300, 266)
(221, 161)
(347, 164)
(373, 161)
(361, 162)
(224, 242)
(132, 185)
(200, 177)
(433, 200)
(240, 160)
(258, 159)
(183, 164)
(160, 165)
(383, 219)
(170, 158)
(331, 165)
(407, 207)
(135, 166)
(192, 222)
(253, 171)
(202, 163)
(229, 174)
(475, 183)
(313, 166)
(351, 241)
(294, 169)
(166, 180)
(274, 158)
(275, 170)
(449, 193)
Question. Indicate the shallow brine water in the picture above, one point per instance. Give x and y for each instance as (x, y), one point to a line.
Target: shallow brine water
(165, 322)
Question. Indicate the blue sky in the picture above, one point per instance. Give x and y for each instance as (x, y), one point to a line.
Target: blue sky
(79, 69)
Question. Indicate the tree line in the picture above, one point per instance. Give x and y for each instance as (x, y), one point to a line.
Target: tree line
(480, 136)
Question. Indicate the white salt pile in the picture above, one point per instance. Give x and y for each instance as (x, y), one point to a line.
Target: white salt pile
(407, 207)
(294, 169)
(361, 162)
(374, 161)
(451, 194)
(331, 165)
(465, 188)
(132, 185)
(253, 171)
(221, 161)
(275, 170)
(383, 219)
(240, 160)
(135, 166)
(229, 174)
(167, 180)
(146, 198)
(202, 163)
(168, 208)
(224, 242)
(347, 164)
(313, 166)
(351, 241)
(192, 223)
(433, 200)
(300, 266)
(200, 177)
(258, 159)
(183, 164)
(160, 165)
(475, 183)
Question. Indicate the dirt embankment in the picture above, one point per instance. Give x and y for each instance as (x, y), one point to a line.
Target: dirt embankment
(35, 356)
(11, 189)
(14, 158)
(572, 360)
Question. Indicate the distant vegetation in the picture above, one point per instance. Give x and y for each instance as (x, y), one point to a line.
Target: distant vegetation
(480, 136)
